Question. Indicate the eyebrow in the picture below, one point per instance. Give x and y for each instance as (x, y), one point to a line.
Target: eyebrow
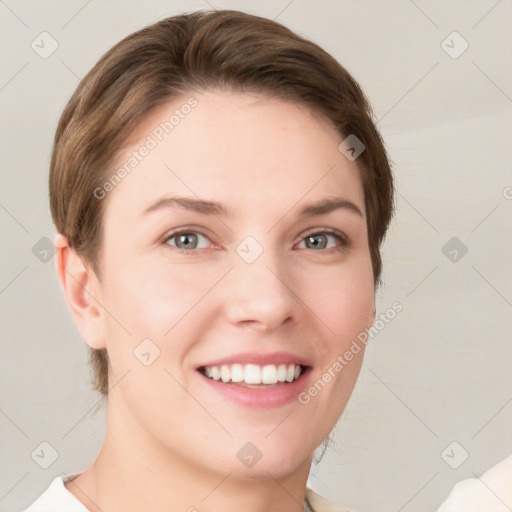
(205, 207)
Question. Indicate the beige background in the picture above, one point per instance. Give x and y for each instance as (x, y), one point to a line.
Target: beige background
(438, 373)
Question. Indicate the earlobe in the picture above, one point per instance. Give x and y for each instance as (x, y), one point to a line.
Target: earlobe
(80, 287)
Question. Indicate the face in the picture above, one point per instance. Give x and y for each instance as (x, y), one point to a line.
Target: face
(235, 252)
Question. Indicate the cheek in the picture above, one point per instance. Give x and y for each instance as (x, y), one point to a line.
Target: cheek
(344, 301)
(151, 299)
(169, 304)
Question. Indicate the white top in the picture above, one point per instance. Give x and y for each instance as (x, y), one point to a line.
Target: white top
(491, 492)
(58, 499)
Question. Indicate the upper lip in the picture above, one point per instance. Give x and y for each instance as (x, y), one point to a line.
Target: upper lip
(258, 358)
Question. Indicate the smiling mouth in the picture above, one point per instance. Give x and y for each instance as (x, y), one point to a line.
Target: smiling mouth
(253, 375)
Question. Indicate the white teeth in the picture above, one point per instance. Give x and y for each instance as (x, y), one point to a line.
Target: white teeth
(237, 373)
(269, 374)
(215, 373)
(281, 373)
(225, 374)
(254, 374)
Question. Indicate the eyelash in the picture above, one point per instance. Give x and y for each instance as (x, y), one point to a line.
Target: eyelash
(344, 242)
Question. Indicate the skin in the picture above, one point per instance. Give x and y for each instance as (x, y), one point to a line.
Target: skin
(171, 440)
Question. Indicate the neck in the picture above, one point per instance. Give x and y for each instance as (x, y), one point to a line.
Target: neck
(131, 474)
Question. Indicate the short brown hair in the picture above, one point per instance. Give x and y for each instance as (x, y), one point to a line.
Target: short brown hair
(222, 49)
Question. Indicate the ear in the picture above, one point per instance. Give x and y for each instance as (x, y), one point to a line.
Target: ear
(82, 290)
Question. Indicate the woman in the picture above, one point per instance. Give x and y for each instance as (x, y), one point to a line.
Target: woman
(220, 194)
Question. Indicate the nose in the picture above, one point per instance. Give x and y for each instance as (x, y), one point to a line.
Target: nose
(260, 294)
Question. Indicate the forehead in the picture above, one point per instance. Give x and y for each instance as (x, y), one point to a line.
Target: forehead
(247, 151)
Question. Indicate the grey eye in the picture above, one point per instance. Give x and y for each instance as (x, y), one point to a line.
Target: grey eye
(316, 241)
(186, 240)
(320, 240)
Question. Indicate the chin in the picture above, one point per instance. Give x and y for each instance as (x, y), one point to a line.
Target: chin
(264, 458)
(276, 466)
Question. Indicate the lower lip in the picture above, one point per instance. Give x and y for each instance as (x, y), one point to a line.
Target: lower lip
(277, 396)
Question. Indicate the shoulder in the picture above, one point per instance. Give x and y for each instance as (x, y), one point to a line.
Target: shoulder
(320, 504)
(490, 492)
(57, 498)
